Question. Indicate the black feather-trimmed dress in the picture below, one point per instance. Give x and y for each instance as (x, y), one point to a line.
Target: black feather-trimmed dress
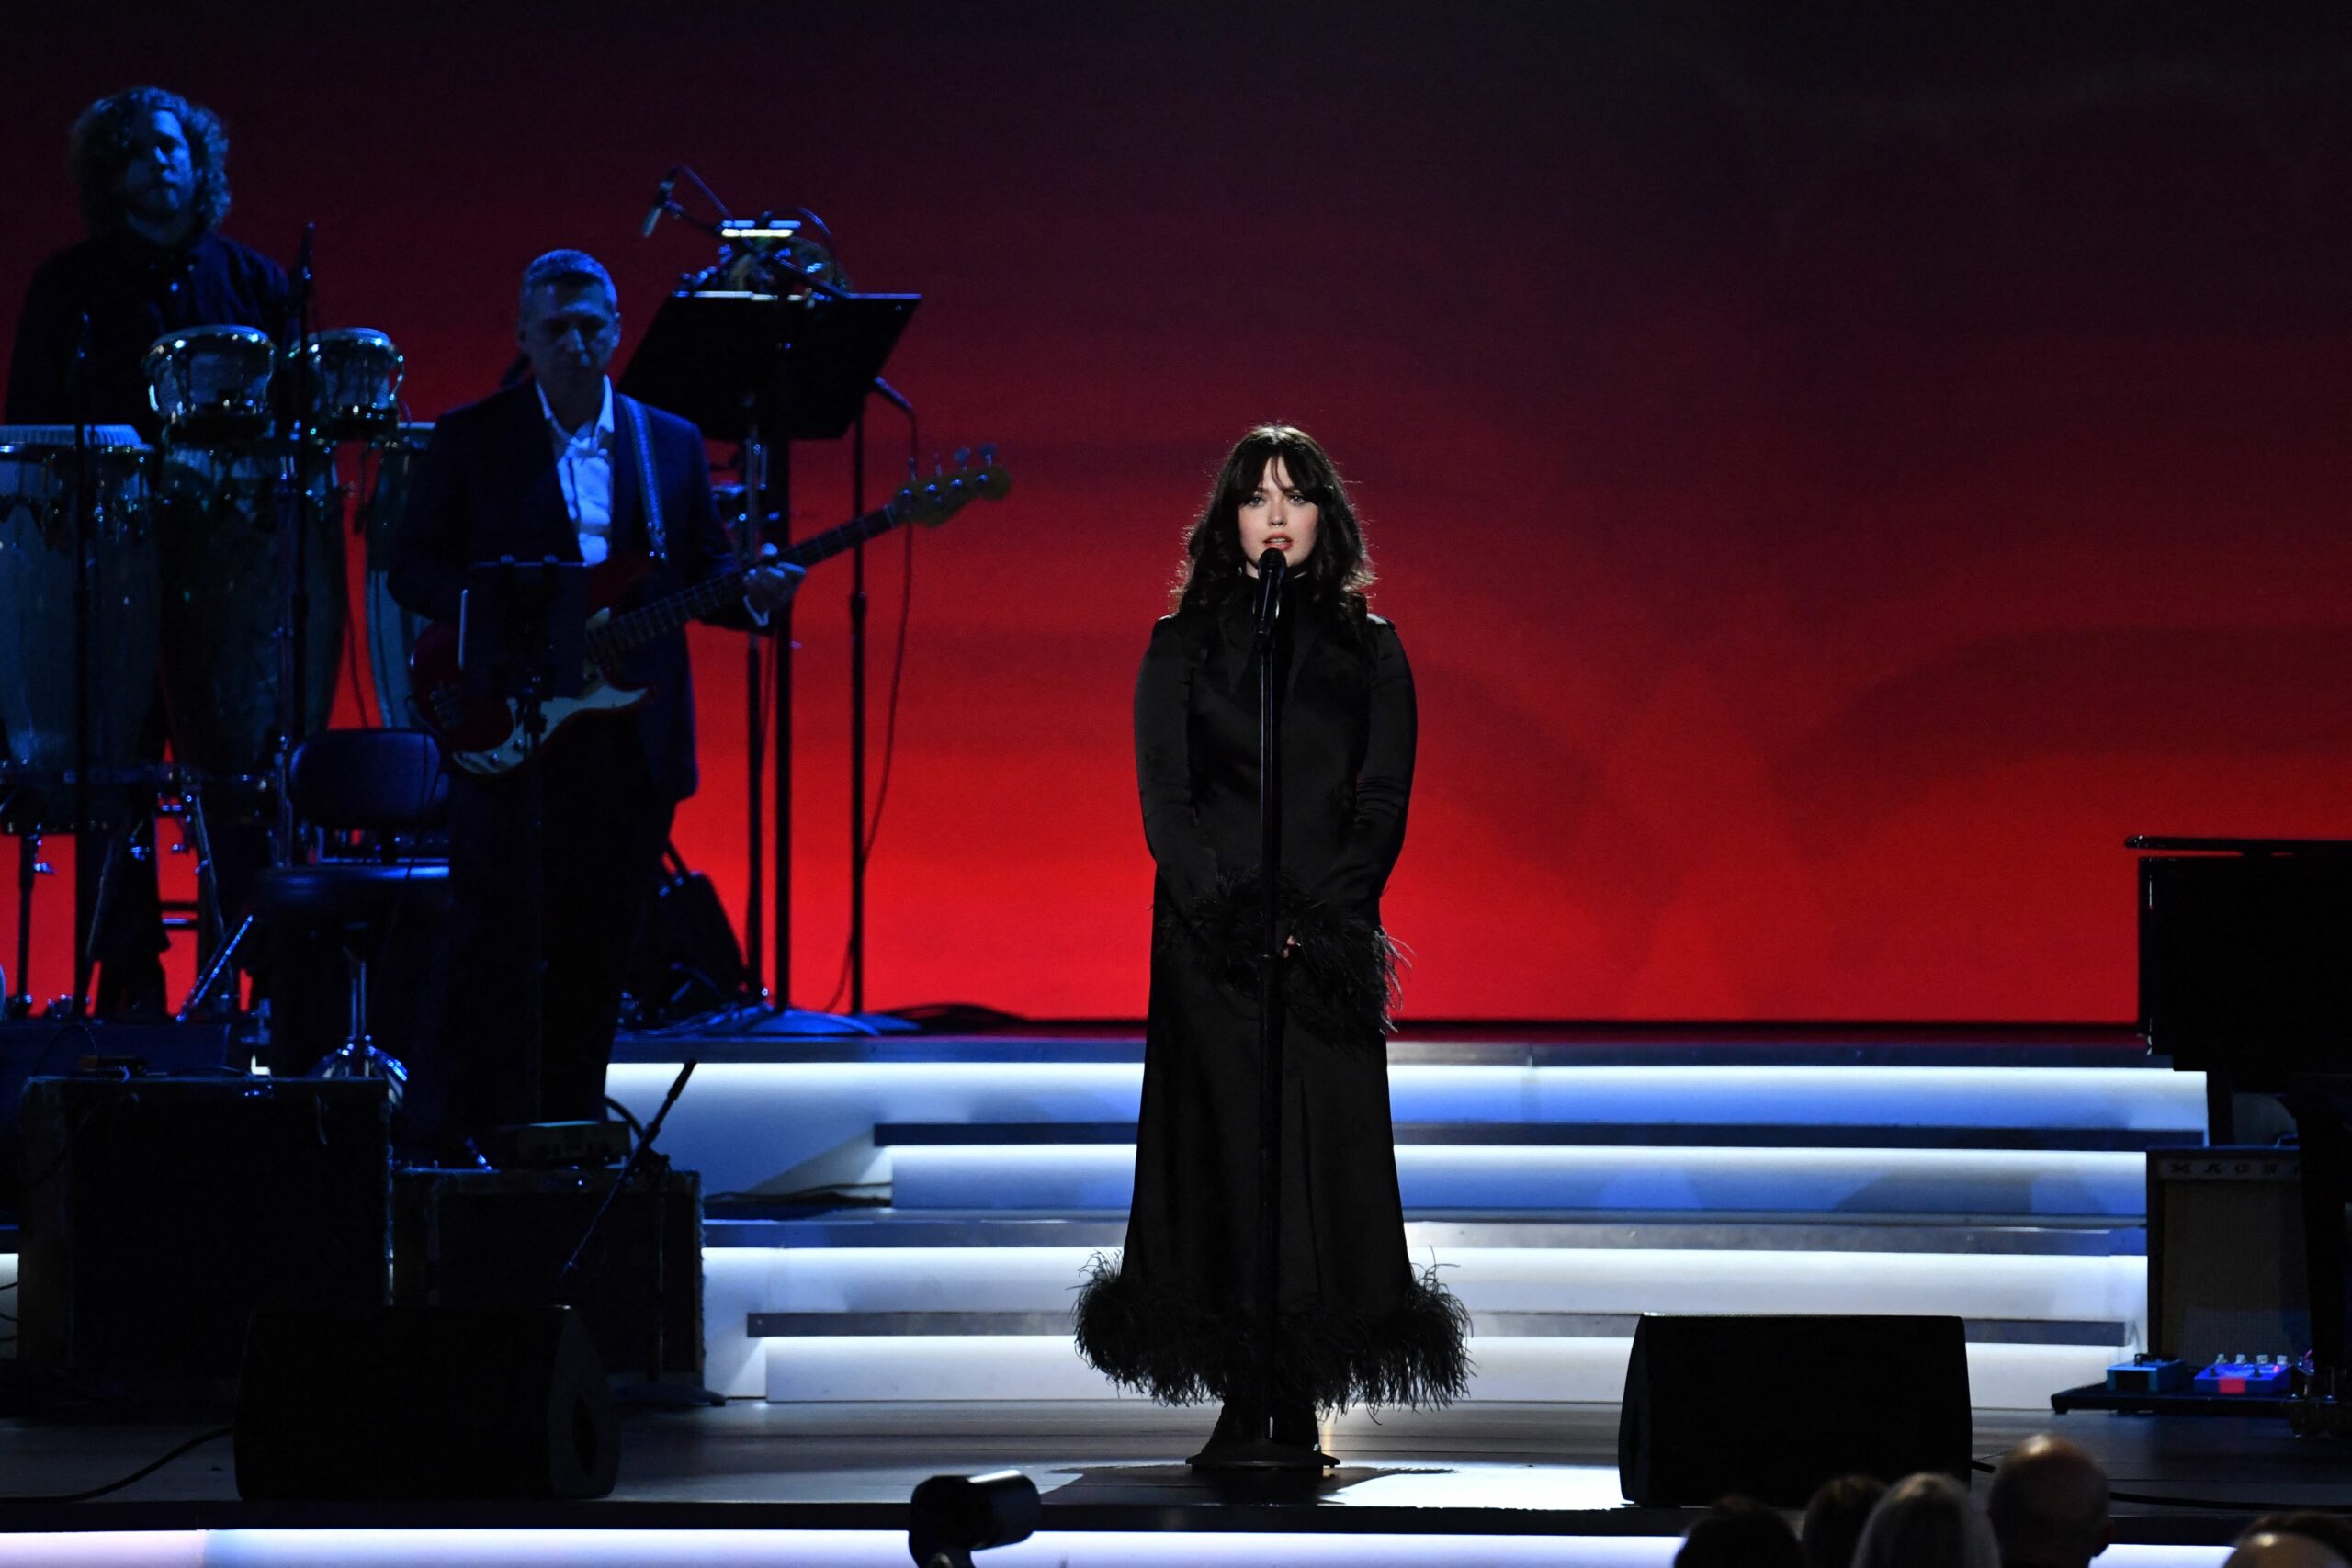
(1175, 1314)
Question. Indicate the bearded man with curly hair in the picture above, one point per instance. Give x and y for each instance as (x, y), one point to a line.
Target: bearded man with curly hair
(150, 170)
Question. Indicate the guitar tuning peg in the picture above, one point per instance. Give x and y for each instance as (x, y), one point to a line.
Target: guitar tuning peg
(988, 455)
(963, 456)
(938, 469)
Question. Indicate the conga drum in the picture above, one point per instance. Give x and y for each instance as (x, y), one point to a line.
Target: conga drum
(42, 501)
(210, 385)
(216, 528)
(392, 628)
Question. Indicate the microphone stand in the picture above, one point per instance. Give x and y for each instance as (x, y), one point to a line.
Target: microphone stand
(857, 634)
(1259, 1451)
(857, 722)
(768, 485)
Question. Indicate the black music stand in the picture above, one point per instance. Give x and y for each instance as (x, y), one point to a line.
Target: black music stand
(767, 370)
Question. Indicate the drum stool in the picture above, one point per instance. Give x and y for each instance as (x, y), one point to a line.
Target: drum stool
(386, 786)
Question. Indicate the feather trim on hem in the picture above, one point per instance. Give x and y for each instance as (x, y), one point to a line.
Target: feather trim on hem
(1180, 1352)
(1341, 979)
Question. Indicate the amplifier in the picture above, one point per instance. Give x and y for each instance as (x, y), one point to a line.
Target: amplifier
(481, 1239)
(2225, 1254)
(159, 1212)
(37, 1047)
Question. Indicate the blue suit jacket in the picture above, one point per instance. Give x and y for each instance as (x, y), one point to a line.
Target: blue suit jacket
(487, 487)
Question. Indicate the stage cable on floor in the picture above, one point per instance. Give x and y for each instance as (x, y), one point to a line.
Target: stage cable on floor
(141, 1474)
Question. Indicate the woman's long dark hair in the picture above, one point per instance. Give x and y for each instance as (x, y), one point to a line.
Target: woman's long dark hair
(1335, 574)
(100, 147)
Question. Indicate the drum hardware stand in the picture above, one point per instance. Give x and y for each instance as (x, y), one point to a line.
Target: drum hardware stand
(212, 926)
(294, 591)
(1259, 1453)
(28, 868)
(84, 602)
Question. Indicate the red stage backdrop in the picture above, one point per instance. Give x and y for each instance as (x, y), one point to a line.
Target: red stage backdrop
(1833, 481)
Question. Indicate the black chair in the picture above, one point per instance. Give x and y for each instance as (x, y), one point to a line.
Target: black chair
(367, 802)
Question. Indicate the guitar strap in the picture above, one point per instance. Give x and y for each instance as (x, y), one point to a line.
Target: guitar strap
(657, 536)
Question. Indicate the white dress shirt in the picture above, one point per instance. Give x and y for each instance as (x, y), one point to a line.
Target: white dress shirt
(583, 466)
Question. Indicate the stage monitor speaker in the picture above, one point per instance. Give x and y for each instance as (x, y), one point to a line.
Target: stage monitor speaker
(481, 1239)
(1771, 1407)
(423, 1403)
(2226, 1259)
(35, 1047)
(159, 1212)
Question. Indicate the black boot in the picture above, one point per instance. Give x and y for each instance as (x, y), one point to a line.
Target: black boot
(1239, 1422)
(1295, 1426)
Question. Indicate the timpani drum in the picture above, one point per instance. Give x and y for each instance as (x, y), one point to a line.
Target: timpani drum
(41, 471)
(355, 385)
(210, 385)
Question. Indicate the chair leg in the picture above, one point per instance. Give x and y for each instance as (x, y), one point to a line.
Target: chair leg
(358, 1056)
(358, 1044)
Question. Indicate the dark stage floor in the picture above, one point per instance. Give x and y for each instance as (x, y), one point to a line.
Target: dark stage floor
(1484, 1469)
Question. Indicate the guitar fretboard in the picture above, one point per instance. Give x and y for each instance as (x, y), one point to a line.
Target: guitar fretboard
(666, 615)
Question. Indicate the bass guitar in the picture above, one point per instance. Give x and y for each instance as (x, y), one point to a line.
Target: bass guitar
(484, 735)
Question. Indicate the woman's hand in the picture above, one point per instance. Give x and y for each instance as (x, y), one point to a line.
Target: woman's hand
(1290, 945)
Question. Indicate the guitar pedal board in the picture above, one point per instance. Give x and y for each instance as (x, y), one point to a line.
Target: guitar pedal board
(2263, 1377)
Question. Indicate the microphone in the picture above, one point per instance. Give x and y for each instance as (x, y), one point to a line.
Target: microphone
(1272, 570)
(661, 205)
(895, 396)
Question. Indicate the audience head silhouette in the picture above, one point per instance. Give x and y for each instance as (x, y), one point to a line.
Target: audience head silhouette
(2282, 1549)
(2048, 1506)
(1739, 1532)
(1833, 1519)
(2333, 1531)
(1926, 1521)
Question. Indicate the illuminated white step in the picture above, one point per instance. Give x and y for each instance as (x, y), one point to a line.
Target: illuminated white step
(1619, 1181)
(1046, 1367)
(782, 1126)
(703, 1546)
(872, 1279)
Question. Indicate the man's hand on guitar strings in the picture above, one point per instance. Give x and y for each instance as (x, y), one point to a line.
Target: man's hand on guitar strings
(769, 586)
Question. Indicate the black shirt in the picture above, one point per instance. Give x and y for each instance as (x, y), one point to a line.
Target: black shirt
(133, 291)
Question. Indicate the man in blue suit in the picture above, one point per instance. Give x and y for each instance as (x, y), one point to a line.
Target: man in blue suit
(563, 465)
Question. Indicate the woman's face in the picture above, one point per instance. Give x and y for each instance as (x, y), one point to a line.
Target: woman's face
(1277, 516)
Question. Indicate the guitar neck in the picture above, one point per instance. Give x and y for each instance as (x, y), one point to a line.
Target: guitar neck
(667, 613)
(848, 535)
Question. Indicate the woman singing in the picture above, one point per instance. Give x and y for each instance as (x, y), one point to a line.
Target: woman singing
(1176, 1316)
